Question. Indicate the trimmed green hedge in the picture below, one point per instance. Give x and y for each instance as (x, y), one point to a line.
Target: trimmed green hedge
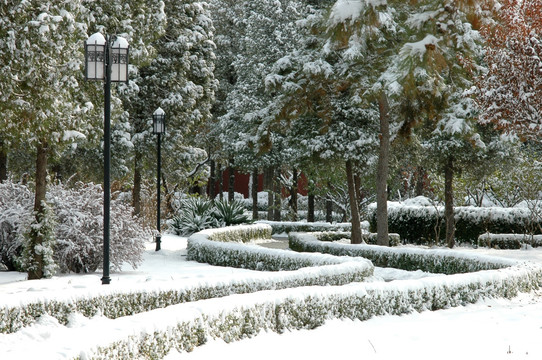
(369, 238)
(309, 308)
(509, 241)
(434, 261)
(280, 227)
(420, 224)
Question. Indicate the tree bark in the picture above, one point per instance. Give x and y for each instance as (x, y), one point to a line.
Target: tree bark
(293, 195)
(255, 194)
(39, 199)
(220, 181)
(136, 190)
(356, 226)
(329, 206)
(310, 214)
(278, 195)
(420, 181)
(449, 202)
(3, 162)
(231, 182)
(382, 237)
(268, 186)
(212, 180)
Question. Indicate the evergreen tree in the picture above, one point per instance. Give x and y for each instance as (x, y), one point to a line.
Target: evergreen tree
(181, 81)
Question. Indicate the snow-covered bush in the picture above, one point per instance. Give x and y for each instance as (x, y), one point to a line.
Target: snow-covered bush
(285, 227)
(239, 233)
(185, 326)
(215, 247)
(79, 233)
(194, 214)
(509, 241)
(197, 213)
(78, 230)
(16, 203)
(230, 213)
(434, 261)
(422, 224)
(368, 238)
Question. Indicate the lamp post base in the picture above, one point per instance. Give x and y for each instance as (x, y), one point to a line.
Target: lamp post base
(106, 280)
(158, 242)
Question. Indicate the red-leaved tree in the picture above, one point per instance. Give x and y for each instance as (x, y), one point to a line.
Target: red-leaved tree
(510, 94)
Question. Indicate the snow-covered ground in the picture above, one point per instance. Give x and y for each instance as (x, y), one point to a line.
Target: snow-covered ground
(492, 329)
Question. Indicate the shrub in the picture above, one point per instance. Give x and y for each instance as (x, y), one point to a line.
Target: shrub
(78, 230)
(196, 214)
(229, 213)
(79, 233)
(425, 224)
(16, 203)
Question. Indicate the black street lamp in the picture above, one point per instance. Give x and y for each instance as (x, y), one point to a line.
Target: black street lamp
(106, 59)
(158, 128)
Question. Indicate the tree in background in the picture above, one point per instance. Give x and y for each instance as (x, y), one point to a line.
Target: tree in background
(510, 92)
(180, 79)
(41, 66)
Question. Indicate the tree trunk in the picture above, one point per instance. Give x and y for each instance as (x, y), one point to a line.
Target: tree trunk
(278, 195)
(356, 226)
(136, 190)
(39, 199)
(293, 195)
(220, 182)
(310, 213)
(255, 194)
(3, 162)
(231, 182)
(449, 202)
(268, 186)
(212, 180)
(382, 173)
(420, 181)
(329, 208)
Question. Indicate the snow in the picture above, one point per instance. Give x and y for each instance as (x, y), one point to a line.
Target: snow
(97, 39)
(493, 328)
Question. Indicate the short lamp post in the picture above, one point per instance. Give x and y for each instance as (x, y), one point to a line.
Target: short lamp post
(158, 128)
(106, 59)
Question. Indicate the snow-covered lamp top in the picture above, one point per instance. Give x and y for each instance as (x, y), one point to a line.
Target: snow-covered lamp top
(96, 58)
(159, 121)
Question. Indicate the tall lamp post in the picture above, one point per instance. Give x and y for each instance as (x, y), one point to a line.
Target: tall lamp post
(158, 128)
(106, 59)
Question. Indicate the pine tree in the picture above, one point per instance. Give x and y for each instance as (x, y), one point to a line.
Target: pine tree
(181, 81)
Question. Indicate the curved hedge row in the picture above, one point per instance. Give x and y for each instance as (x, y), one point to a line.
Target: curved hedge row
(153, 334)
(185, 326)
(410, 259)
(13, 317)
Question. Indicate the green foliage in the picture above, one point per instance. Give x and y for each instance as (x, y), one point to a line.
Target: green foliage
(38, 257)
(509, 241)
(198, 213)
(424, 225)
(230, 213)
(434, 261)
